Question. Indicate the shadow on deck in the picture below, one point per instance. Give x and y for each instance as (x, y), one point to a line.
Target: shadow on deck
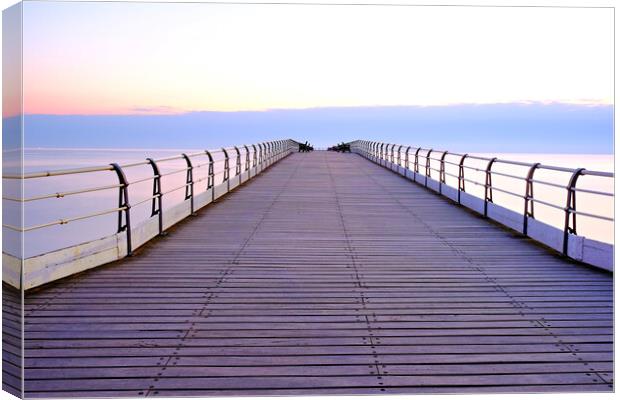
(325, 275)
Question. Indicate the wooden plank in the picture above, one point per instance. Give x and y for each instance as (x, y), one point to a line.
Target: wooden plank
(443, 359)
(322, 370)
(308, 382)
(199, 341)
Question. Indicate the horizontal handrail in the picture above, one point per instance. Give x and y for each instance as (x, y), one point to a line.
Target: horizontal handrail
(384, 153)
(510, 162)
(66, 220)
(44, 174)
(264, 154)
(103, 168)
(62, 194)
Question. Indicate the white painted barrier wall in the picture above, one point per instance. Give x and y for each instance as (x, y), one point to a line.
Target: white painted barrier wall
(580, 248)
(61, 263)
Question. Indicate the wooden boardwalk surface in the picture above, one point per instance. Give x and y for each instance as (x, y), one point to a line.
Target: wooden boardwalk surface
(327, 274)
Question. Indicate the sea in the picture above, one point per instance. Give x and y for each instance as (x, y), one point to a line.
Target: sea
(40, 241)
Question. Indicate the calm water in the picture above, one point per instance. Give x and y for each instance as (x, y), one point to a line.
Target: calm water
(56, 237)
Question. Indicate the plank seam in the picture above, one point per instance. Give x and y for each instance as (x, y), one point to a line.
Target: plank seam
(373, 340)
(191, 332)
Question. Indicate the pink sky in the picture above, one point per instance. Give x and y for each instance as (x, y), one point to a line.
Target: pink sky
(135, 58)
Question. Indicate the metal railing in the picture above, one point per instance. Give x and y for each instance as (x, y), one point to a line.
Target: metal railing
(254, 155)
(379, 151)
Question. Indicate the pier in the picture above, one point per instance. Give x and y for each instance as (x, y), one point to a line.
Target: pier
(323, 274)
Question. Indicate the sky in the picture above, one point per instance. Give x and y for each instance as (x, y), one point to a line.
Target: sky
(128, 61)
(522, 128)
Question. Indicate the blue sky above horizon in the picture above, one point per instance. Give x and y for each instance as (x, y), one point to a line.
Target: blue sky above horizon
(521, 128)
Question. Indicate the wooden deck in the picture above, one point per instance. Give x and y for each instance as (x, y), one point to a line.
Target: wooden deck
(327, 274)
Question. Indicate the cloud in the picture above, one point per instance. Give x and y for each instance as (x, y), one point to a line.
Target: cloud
(155, 110)
(506, 127)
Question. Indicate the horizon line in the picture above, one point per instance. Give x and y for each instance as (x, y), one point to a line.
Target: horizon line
(158, 110)
(128, 149)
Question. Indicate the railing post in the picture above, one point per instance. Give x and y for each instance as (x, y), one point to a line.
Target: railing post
(416, 164)
(528, 210)
(571, 207)
(211, 176)
(124, 206)
(398, 158)
(238, 163)
(247, 159)
(488, 186)
(254, 156)
(189, 183)
(442, 171)
(427, 171)
(407, 157)
(461, 186)
(392, 154)
(260, 155)
(156, 203)
(226, 169)
(382, 144)
(269, 153)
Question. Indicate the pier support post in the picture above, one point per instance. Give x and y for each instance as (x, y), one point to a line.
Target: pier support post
(123, 206)
(528, 210)
(571, 207)
(156, 203)
(189, 183)
(488, 186)
(461, 184)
